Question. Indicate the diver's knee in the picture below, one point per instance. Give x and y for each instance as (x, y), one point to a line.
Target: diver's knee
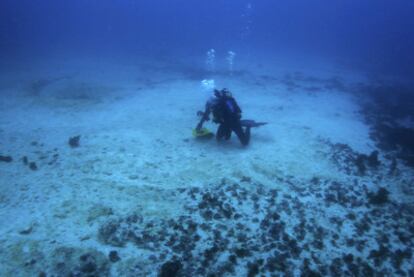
(244, 141)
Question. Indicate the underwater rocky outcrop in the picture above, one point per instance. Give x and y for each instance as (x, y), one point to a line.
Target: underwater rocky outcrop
(390, 114)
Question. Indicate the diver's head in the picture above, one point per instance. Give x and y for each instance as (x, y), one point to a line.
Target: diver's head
(217, 93)
(225, 92)
(222, 93)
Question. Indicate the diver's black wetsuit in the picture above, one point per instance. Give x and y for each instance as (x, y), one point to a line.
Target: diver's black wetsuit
(227, 113)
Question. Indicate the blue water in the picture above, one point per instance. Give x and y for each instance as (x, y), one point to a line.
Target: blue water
(375, 35)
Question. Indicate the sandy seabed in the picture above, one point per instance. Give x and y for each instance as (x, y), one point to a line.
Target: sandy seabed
(141, 197)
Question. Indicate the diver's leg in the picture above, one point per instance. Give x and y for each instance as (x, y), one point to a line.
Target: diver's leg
(244, 136)
(247, 134)
(224, 131)
(228, 133)
(221, 132)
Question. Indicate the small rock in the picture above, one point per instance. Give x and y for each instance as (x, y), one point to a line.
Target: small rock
(111, 233)
(393, 167)
(32, 166)
(245, 179)
(74, 141)
(113, 256)
(133, 177)
(27, 230)
(242, 252)
(84, 238)
(379, 255)
(30, 262)
(6, 159)
(68, 261)
(88, 267)
(360, 164)
(253, 269)
(349, 258)
(379, 198)
(170, 269)
(97, 211)
(373, 160)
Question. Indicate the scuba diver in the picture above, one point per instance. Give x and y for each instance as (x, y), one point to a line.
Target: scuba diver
(227, 113)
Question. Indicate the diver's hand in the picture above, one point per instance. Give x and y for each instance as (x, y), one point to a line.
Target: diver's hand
(204, 116)
(200, 113)
(199, 126)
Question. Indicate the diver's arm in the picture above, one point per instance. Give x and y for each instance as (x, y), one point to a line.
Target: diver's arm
(205, 117)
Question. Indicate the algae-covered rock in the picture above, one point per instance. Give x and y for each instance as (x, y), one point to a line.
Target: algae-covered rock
(35, 258)
(112, 233)
(6, 159)
(97, 211)
(170, 269)
(68, 261)
(113, 256)
(26, 230)
(380, 197)
(74, 141)
(23, 258)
